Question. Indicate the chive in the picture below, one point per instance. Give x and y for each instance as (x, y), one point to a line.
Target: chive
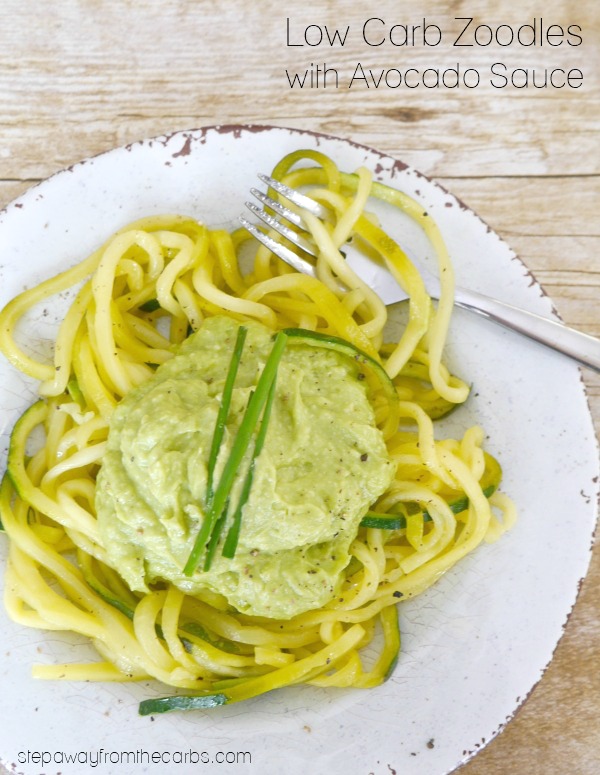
(181, 702)
(214, 538)
(238, 450)
(233, 534)
(220, 523)
(224, 410)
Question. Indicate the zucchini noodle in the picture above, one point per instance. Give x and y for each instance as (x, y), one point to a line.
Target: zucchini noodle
(143, 293)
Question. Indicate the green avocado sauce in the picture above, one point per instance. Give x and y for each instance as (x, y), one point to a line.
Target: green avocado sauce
(323, 463)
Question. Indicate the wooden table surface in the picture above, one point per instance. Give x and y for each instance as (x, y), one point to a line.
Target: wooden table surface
(78, 77)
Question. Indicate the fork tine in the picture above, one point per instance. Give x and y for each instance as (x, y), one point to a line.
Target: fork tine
(282, 229)
(278, 208)
(291, 258)
(296, 197)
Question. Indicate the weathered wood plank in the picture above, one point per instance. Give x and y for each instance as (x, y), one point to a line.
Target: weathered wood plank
(114, 75)
(33, 151)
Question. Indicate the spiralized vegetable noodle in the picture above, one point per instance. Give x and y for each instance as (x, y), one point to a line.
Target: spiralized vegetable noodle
(143, 292)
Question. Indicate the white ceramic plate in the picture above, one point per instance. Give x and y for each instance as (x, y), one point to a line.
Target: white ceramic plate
(473, 646)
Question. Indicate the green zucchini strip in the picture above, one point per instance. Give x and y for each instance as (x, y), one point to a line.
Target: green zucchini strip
(75, 392)
(387, 660)
(316, 339)
(181, 702)
(6, 485)
(387, 521)
(150, 306)
(489, 483)
(301, 671)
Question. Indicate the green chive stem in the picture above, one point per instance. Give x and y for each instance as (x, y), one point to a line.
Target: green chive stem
(238, 450)
(224, 410)
(233, 534)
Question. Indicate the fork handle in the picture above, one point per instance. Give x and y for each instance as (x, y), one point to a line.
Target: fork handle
(575, 344)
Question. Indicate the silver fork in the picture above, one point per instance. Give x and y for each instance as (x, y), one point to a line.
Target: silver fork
(575, 344)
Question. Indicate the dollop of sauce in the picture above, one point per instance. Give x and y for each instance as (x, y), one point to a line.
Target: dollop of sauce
(323, 463)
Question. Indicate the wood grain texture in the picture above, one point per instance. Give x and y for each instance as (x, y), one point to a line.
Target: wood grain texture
(78, 77)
